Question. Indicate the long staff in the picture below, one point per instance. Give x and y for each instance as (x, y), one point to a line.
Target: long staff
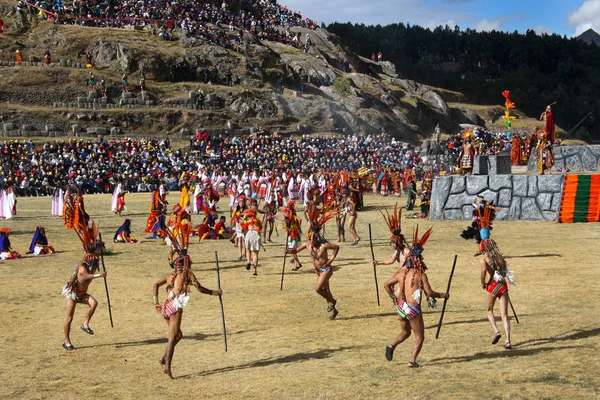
(284, 258)
(221, 300)
(374, 267)
(105, 283)
(437, 333)
(513, 310)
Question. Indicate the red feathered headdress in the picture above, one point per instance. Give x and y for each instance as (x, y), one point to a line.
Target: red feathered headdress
(394, 223)
(415, 259)
(88, 234)
(318, 217)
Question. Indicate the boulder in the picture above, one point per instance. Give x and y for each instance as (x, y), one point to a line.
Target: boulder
(476, 184)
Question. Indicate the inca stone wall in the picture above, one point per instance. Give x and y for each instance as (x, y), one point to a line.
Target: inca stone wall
(576, 159)
(517, 197)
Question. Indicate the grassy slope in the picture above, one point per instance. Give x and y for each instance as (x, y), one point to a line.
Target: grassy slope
(281, 344)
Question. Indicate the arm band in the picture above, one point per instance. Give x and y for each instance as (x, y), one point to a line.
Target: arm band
(214, 293)
(97, 275)
(155, 300)
(394, 297)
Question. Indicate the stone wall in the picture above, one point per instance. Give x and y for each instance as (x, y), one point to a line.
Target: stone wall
(576, 158)
(517, 197)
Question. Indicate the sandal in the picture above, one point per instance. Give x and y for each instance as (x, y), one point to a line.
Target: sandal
(255, 274)
(413, 364)
(496, 338)
(297, 267)
(335, 313)
(389, 353)
(87, 330)
(330, 308)
(508, 346)
(248, 267)
(68, 346)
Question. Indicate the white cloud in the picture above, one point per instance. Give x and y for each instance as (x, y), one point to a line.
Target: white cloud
(488, 25)
(585, 17)
(541, 30)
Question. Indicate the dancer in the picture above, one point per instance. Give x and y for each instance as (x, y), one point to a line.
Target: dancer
(177, 288)
(269, 210)
(545, 153)
(39, 243)
(123, 234)
(5, 246)
(412, 282)
(68, 213)
(352, 213)
(494, 274)
(319, 251)
(118, 200)
(76, 288)
(58, 202)
(292, 225)
(467, 153)
(251, 227)
(340, 219)
(156, 221)
(398, 242)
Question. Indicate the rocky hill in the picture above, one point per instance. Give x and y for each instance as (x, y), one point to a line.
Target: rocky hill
(343, 92)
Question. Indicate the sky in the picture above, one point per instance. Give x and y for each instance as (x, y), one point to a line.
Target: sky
(563, 17)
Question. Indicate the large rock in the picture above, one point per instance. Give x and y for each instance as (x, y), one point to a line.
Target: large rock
(439, 195)
(515, 208)
(550, 183)
(459, 200)
(532, 188)
(519, 185)
(504, 197)
(458, 184)
(498, 182)
(476, 184)
(545, 201)
(530, 210)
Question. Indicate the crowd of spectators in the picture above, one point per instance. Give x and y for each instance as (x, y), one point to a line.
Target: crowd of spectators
(97, 165)
(190, 16)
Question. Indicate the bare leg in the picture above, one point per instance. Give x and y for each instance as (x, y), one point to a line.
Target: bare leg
(255, 261)
(322, 287)
(504, 313)
(403, 335)
(351, 228)
(67, 327)
(490, 300)
(174, 337)
(92, 303)
(418, 328)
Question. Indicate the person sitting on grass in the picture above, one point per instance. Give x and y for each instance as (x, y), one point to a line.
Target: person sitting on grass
(39, 243)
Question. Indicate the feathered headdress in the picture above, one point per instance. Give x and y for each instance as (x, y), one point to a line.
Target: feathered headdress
(415, 259)
(317, 218)
(467, 134)
(88, 234)
(394, 223)
(485, 217)
(179, 236)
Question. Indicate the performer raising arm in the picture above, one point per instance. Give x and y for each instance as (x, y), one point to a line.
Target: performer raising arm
(411, 281)
(178, 283)
(319, 251)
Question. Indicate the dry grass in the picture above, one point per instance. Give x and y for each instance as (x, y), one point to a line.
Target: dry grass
(281, 344)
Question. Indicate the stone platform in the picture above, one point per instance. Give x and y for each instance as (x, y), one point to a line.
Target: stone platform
(575, 158)
(517, 197)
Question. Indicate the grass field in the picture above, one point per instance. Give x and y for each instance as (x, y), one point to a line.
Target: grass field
(281, 343)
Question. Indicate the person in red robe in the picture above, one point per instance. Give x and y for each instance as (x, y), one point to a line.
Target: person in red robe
(548, 116)
(515, 150)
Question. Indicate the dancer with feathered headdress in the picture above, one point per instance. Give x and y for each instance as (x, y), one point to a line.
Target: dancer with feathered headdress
(398, 242)
(494, 274)
(177, 288)
(319, 251)
(412, 282)
(76, 288)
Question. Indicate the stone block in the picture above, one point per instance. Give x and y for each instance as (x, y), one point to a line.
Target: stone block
(115, 131)
(595, 150)
(556, 202)
(192, 95)
(27, 127)
(532, 188)
(559, 164)
(150, 103)
(467, 212)
(69, 63)
(550, 183)
(499, 164)
(545, 201)
(11, 63)
(144, 96)
(515, 208)
(439, 195)
(459, 200)
(519, 185)
(8, 127)
(589, 161)
(502, 213)
(459, 184)
(481, 165)
(49, 128)
(490, 195)
(92, 94)
(453, 215)
(103, 100)
(574, 163)
(504, 197)
(126, 95)
(530, 210)
(476, 184)
(550, 215)
(498, 182)
(184, 132)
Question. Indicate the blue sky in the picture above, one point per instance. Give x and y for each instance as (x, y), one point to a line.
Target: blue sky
(566, 17)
